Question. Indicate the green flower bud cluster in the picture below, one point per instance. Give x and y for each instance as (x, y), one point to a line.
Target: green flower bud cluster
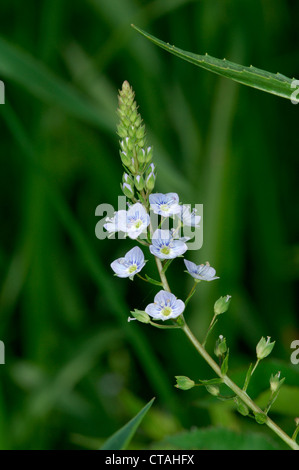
(136, 157)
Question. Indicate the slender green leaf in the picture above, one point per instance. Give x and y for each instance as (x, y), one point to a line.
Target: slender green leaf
(153, 281)
(248, 377)
(25, 70)
(211, 381)
(224, 366)
(277, 84)
(121, 439)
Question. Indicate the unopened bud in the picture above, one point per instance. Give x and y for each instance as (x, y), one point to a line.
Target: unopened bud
(213, 390)
(127, 190)
(150, 181)
(141, 316)
(139, 183)
(184, 383)
(221, 305)
(141, 156)
(264, 348)
(241, 407)
(149, 154)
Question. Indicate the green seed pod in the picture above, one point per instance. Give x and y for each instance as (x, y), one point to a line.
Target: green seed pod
(213, 390)
(184, 383)
(264, 348)
(221, 305)
(220, 347)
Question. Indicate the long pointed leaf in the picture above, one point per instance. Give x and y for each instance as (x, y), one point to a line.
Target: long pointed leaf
(122, 437)
(277, 84)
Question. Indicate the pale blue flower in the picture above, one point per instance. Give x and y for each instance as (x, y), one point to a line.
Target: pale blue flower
(189, 218)
(137, 220)
(165, 306)
(130, 264)
(133, 222)
(164, 246)
(202, 272)
(117, 222)
(165, 204)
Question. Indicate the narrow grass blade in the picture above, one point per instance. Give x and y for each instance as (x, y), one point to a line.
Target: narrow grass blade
(22, 68)
(277, 84)
(121, 439)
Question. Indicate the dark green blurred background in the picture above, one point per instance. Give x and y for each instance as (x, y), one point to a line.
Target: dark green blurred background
(75, 369)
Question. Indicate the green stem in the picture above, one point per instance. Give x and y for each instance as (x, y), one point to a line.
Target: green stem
(294, 436)
(230, 384)
(240, 393)
(212, 324)
(255, 366)
(141, 277)
(191, 292)
(162, 275)
(164, 327)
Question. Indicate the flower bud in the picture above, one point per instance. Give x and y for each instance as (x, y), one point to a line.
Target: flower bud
(149, 154)
(125, 158)
(184, 383)
(221, 305)
(127, 179)
(264, 348)
(213, 390)
(140, 133)
(150, 181)
(141, 316)
(139, 183)
(128, 190)
(141, 156)
(241, 407)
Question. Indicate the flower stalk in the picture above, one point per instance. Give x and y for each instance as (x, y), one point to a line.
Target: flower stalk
(165, 245)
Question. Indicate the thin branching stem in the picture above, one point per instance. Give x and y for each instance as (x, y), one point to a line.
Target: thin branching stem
(230, 384)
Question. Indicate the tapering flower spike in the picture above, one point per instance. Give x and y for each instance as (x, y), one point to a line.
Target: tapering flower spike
(165, 307)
